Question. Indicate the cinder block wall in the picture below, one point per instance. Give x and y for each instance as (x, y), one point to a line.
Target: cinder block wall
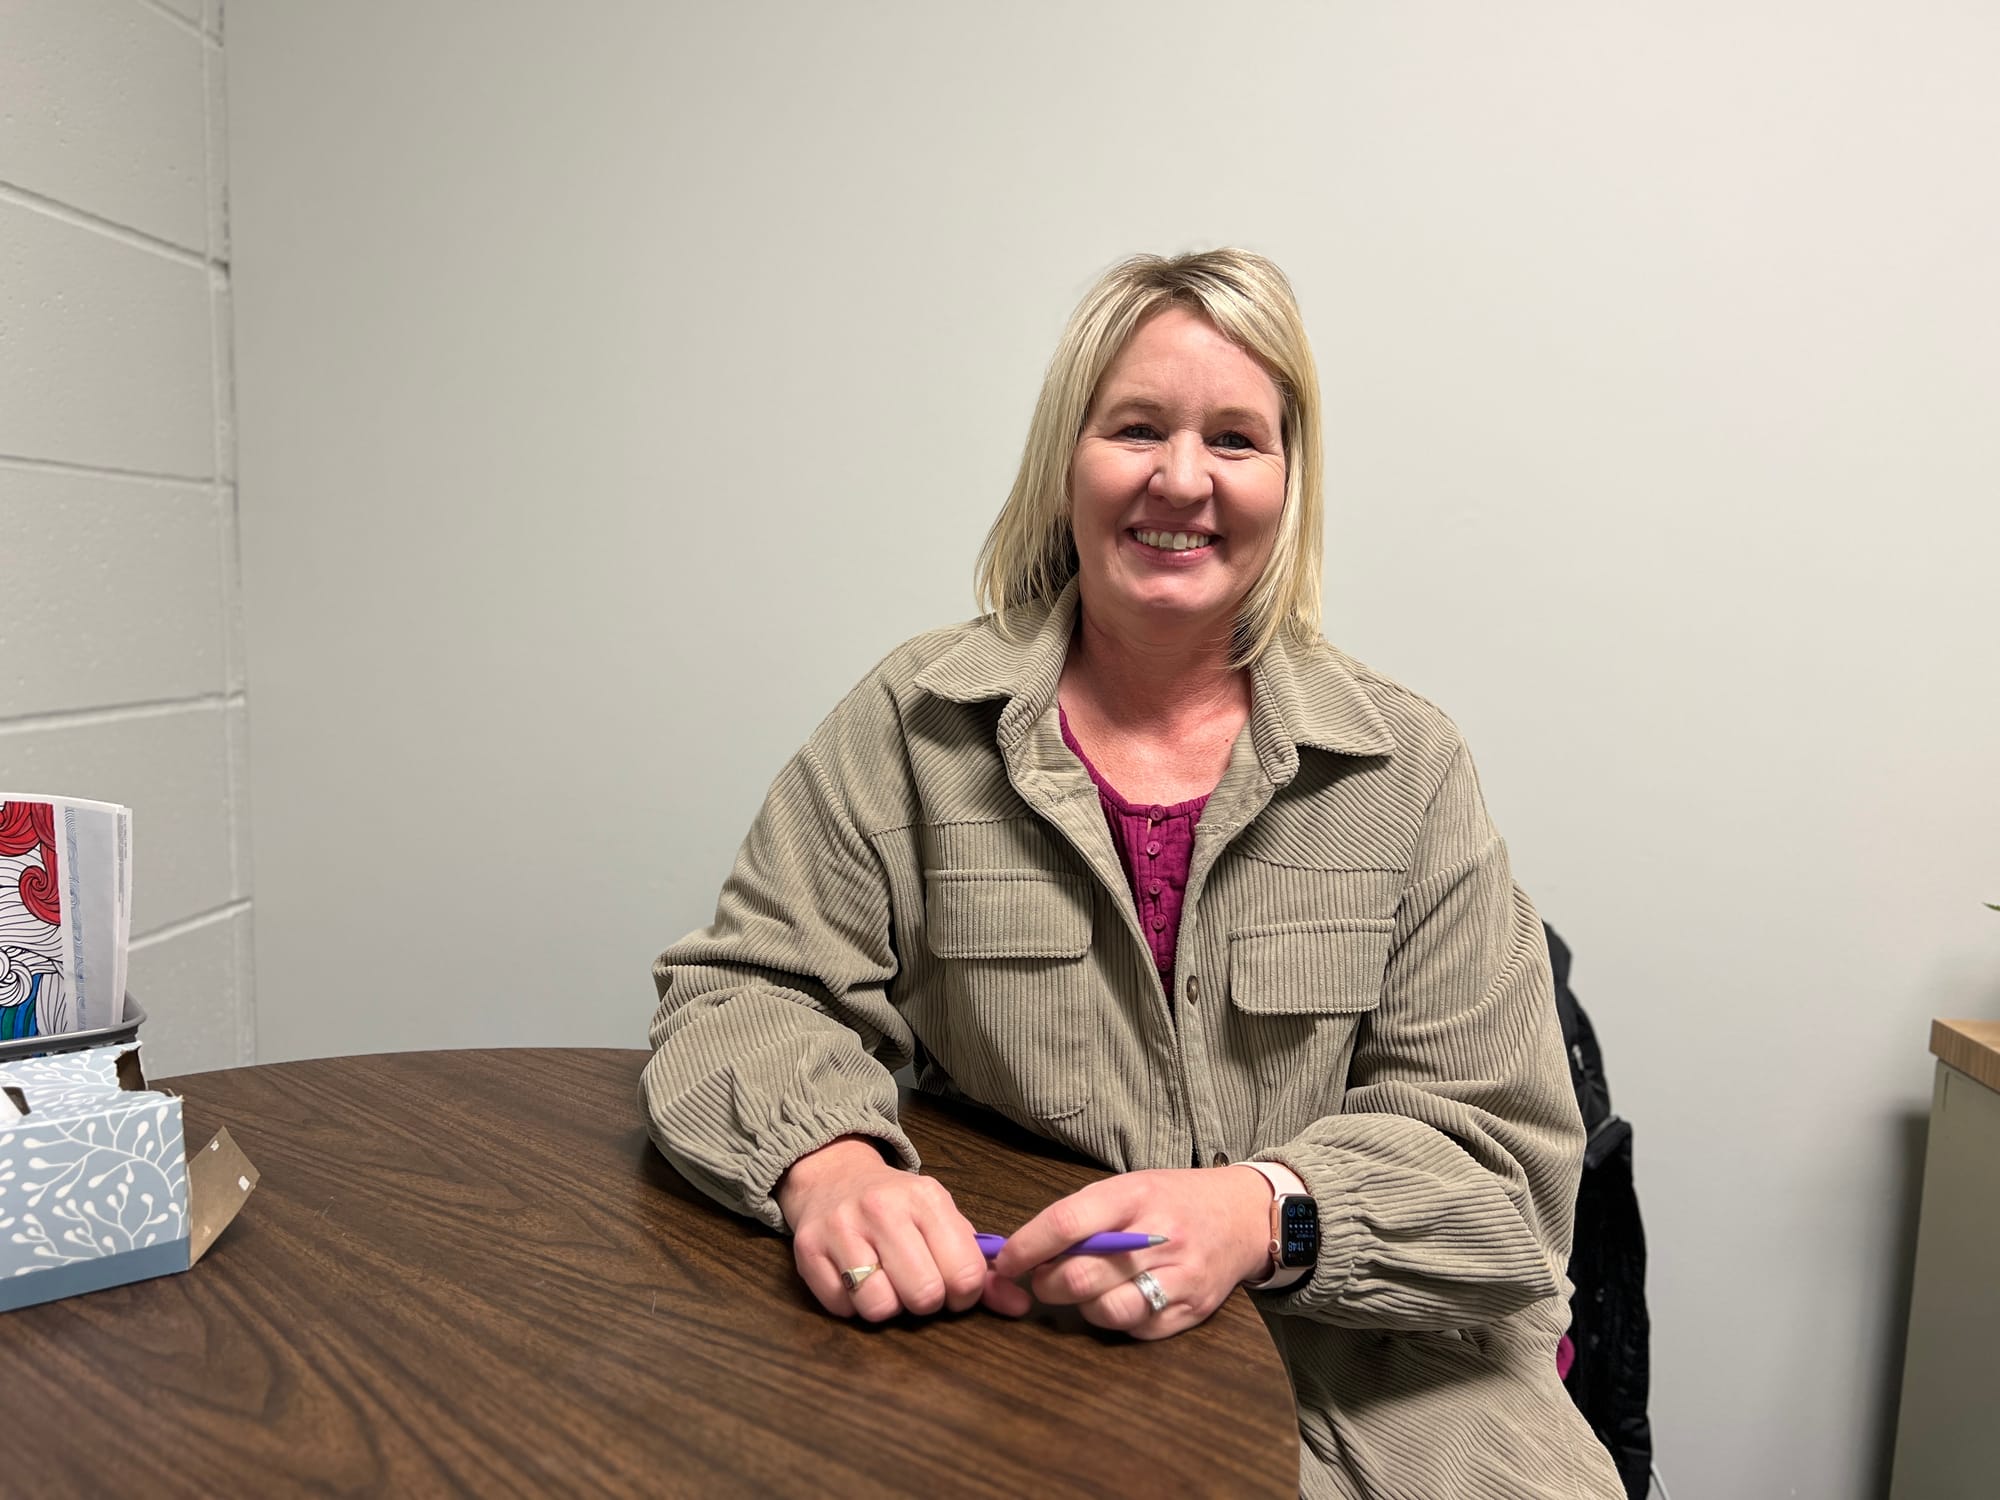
(121, 661)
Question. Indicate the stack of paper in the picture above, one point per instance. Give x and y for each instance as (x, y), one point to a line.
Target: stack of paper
(65, 914)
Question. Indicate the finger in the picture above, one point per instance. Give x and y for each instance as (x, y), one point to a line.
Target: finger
(1127, 1308)
(1008, 1298)
(1091, 1210)
(909, 1268)
(1081, 1278)
(955, 1254)
(822, 1279)
(875, 1297)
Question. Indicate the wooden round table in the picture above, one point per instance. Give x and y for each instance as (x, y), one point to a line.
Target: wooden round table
(470, 1272)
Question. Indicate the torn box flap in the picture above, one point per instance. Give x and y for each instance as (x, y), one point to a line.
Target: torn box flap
(220, 1177)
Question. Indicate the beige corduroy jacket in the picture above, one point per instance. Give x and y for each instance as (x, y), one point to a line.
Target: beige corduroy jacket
(1361, 993)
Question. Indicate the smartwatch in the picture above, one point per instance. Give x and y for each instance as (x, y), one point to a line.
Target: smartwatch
(1294, 1227)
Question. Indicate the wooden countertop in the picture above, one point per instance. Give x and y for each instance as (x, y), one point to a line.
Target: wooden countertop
(1972, 1047)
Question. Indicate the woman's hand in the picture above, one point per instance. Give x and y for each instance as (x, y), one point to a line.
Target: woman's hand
(1217, 1222)
(848, 1207)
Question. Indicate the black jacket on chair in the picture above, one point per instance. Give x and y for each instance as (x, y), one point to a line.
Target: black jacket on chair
(1608, 1326)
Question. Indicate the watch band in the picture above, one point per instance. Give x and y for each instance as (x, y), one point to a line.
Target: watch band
(1285, 1183)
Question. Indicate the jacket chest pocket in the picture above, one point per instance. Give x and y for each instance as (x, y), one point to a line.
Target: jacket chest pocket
(1010, 1014)
(1298, 991)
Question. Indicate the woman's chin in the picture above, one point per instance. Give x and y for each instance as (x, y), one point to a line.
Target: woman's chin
(1179, 603)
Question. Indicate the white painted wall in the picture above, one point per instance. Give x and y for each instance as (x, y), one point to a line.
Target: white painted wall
(121, 657)
(619, 381)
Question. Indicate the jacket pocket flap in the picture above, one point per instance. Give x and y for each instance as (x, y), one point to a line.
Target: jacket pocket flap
(1006, 914)
(1329, 967)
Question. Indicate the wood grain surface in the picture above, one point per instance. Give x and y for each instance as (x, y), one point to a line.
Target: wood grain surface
(470, 1273)
(1972, 1047)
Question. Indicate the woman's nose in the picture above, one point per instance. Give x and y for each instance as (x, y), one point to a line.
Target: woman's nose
(1182, 476)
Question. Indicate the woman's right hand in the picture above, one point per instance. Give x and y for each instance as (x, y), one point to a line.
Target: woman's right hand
(848, 1207)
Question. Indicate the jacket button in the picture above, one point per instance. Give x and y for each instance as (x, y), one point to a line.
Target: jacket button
(1193, 987)
(1220, 1159)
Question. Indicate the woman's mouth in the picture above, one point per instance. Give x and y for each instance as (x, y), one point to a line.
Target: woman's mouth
(1174, 541)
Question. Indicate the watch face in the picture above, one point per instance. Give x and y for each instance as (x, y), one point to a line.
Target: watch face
(1298, 1238)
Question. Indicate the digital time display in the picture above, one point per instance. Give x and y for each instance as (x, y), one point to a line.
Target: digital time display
(1298, 1240)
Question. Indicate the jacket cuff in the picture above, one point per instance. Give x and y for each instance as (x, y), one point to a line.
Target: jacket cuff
(1407, 1250)
(737, 1160)
(894, 1145)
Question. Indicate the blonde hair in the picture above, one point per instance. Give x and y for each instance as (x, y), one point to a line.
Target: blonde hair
(1030, 555)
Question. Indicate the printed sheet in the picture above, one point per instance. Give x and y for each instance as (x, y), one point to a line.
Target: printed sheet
(65, 915)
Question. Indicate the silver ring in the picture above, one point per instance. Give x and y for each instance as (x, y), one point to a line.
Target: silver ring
(855, 1275)
(1150, 1290)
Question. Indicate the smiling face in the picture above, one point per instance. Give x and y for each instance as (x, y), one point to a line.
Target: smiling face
(1178, 481)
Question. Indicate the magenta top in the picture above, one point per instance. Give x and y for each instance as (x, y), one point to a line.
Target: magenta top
(1155, 843)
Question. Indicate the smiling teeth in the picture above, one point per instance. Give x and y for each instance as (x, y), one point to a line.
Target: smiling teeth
(1174, 541)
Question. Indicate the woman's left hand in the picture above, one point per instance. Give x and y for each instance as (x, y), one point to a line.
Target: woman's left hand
(1217, 1223)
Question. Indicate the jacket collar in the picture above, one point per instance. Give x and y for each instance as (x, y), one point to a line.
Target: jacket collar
(1300, 695)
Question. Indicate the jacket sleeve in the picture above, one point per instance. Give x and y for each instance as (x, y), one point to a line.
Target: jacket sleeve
(774, 1033)
(1447, 1182)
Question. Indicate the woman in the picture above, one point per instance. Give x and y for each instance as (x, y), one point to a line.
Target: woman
(1141, 862)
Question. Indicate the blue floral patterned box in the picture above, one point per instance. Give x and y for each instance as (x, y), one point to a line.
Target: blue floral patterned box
(95, 1183)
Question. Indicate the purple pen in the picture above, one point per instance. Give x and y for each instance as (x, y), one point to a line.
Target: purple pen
(1116, 1243)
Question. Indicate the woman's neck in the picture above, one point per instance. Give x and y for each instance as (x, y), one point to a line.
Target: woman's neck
(1153, 684)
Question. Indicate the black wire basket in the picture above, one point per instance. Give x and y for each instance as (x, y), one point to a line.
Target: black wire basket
(126, 1030)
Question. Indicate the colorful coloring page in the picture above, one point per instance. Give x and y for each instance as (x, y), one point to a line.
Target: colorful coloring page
(35, 995)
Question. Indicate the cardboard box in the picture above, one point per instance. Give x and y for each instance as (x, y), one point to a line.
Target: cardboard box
(96, 1188)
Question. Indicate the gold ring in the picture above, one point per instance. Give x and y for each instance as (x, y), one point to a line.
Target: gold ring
(855, 1275)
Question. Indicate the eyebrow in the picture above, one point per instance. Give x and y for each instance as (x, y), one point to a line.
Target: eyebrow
(1239, 416)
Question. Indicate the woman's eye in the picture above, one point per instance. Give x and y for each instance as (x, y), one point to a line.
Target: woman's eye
(1140, 430)
(1233, 440)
